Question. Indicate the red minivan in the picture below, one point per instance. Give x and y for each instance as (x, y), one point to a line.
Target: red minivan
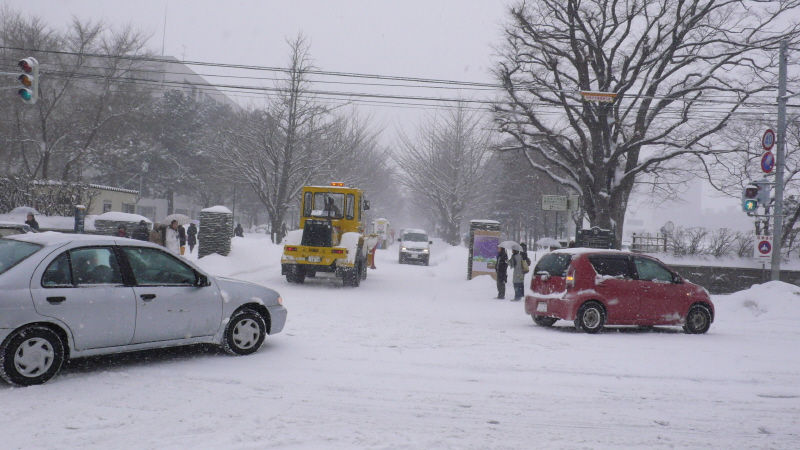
(595, 288)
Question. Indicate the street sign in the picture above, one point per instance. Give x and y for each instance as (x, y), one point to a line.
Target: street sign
(574, 203)
(607, 97)
(554, 203)
(768, 162)
(762, 247)
(768, 140)
(594, 238)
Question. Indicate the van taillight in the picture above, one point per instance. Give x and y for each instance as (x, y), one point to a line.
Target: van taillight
(291, 249)
(570, 278)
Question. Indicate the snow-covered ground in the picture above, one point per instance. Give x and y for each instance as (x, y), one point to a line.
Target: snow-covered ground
(420, 358)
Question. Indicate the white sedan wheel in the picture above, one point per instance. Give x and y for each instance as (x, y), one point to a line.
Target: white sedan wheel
(34, 357)
(246, 333)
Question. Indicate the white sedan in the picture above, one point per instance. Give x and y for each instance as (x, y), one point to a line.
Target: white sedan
(68, 296)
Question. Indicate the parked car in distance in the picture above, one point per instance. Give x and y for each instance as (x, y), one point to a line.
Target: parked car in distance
(67, 296)
(595, 288)
(414, 246)
(12, 228)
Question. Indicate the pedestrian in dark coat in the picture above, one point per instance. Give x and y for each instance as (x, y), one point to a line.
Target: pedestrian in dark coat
(141, 232)
(191, 237)
(501, 267)
(31, 222)
(238, 231)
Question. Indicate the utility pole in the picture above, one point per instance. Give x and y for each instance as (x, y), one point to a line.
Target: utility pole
(777, 229)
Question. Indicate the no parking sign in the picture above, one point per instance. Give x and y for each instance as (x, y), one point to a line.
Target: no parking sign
(762, 247)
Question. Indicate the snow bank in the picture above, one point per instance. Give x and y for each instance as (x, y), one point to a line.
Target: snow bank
(49, 222)
(247, 256)
(774, 300)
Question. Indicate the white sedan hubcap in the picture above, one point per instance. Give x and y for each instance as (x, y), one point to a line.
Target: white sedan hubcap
(34, 357)
(246, 333)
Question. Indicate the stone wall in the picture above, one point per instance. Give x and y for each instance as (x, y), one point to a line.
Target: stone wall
(216, 231)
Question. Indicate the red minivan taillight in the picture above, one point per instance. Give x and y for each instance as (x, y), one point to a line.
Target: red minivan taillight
(570, 280)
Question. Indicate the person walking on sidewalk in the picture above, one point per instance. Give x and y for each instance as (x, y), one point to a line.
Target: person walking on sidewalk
(501, 267)
(518, 278)
(191, 237)
(141, 232)
(175, 237)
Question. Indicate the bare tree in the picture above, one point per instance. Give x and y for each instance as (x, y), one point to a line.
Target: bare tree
(361, 162)
(276, 149)
(516, 199)
(668, 63)
(729, 173)
(443, 168)
(79, 94)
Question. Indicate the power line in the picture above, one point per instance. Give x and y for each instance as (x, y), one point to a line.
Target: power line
(239, 89)
(343, 98)
(439, 82)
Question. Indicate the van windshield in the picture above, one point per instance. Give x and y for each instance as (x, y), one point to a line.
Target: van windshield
(555, 264)
(14, 252)
(415, 237)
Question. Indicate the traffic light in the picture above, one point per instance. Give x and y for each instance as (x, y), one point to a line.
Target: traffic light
(29, 79)
(764, 192)
(750, 198)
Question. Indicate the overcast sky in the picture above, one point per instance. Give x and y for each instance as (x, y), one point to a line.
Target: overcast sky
(435, 39)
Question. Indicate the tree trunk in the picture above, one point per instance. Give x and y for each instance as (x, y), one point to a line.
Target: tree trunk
(170, 201)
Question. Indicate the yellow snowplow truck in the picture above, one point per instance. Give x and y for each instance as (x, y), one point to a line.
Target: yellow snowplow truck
(331, 236)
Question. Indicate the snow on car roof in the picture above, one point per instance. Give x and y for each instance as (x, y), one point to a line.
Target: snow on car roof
(414, 230)
(581, 250)
(55, 238)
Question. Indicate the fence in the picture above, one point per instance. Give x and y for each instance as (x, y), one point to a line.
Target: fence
(648, 244)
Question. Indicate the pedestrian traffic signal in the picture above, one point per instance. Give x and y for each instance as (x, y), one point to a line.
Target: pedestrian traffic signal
(750, 198)
(764, 192)
(29, 79)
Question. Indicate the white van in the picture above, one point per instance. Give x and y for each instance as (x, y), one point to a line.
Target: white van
(414, 246)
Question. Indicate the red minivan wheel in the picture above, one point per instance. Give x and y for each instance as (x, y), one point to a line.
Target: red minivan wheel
(698, 320)
(591, 317)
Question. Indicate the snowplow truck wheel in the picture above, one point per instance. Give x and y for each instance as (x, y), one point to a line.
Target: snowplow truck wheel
(353, 276)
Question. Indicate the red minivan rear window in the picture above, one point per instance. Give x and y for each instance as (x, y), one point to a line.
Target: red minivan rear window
(555, 264)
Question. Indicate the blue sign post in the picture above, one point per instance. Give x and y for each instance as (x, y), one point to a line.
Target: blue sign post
(768, 162)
